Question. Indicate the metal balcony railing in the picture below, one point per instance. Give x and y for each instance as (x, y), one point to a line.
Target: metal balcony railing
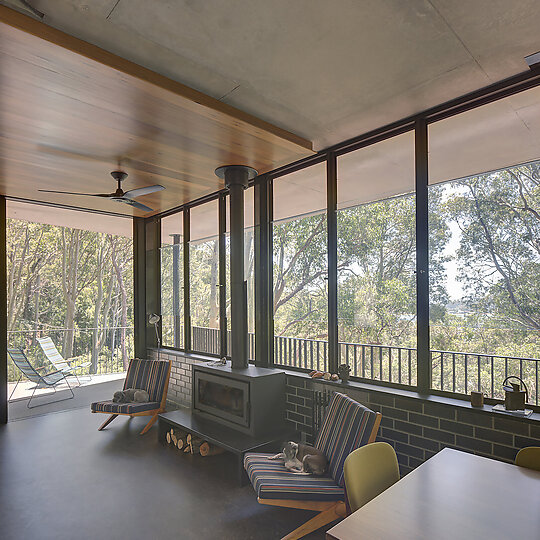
(461, 372)
(452, 371)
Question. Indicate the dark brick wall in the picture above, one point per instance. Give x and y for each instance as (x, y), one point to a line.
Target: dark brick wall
(417, 428)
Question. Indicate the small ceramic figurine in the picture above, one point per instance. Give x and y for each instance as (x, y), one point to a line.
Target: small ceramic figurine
(344, 371)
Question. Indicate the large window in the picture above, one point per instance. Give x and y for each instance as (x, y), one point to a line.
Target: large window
(204, 278)
(483, 217)
(485, 220)
(172, 276)
(376, 261)
(300, 269)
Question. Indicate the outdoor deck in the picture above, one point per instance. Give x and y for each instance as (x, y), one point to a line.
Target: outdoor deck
(93, 388)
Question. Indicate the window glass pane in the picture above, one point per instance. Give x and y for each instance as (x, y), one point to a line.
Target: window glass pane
(376, 261)
(485, 247)
(300, 268)
(204, 278)
(172, 285)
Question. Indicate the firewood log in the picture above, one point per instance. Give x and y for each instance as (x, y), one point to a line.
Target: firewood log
(208, 450)
(168, 437)
(195, 444)
(180, 444)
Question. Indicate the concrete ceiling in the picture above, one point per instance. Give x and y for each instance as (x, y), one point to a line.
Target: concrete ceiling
(324, 70)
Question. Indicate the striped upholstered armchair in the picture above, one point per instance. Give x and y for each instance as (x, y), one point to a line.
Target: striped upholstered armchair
(347, 425)
(150, 375)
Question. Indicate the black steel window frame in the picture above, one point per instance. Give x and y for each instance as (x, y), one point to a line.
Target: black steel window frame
(264, 216)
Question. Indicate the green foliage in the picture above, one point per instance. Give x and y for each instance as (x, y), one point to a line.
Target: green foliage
(52, 268)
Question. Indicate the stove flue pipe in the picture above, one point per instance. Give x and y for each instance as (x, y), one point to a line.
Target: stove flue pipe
(236, 180)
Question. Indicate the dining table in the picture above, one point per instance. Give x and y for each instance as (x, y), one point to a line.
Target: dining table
(453, 495)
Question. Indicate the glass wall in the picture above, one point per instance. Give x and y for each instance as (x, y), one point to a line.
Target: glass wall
(484, 257)
(376, 261)
(204, 278)
(172, 281)
(300, 269)
(484, 201)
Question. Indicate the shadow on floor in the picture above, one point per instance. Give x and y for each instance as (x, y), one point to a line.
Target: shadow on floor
(84, 395)
(62, 479)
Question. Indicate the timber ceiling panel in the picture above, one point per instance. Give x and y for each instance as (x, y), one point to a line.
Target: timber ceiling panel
(70, 113)
(327, 70)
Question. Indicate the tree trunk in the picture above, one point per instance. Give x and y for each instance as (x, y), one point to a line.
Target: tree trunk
(70, 261)
(97, 307)
(123, 300)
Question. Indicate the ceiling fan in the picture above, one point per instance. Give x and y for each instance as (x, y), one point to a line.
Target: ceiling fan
(126, 197)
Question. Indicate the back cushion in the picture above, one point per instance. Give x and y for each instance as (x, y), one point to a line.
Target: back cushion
(149, 375)
(347, 425)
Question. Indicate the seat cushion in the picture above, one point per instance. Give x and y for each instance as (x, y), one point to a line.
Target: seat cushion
(271, 480)
(125, 408)
(149, 375)
(347, 425)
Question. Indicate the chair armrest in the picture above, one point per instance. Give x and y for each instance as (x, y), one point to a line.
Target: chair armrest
(53, 373)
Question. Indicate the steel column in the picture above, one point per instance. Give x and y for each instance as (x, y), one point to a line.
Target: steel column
(187, 313)
(263, 280)
(331, 195)
(236, 179)
(139, 286)
(3, 314)
(422, 258)
(222, 276)
(176, 289)
(152, 277)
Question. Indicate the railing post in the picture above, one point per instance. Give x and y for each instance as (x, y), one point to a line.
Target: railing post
(422, 257)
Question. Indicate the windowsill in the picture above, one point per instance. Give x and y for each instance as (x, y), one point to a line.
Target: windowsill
(357, 385)
(191, 356)
(412, 394)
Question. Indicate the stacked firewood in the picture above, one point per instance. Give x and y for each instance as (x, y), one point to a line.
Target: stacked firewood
(189, 444)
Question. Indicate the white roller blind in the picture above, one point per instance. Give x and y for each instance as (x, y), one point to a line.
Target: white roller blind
(300, 193)
(379, 171)
(491, 137)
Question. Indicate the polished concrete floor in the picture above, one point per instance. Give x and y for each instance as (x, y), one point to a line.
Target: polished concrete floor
(62, 479)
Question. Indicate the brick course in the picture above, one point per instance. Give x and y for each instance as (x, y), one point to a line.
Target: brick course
(416, 428)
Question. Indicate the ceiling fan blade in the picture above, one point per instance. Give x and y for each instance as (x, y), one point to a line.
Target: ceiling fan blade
(139, 192)
(72, 193)
(138, 205)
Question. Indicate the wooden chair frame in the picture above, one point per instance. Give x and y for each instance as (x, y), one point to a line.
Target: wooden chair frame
(328, 511)
(152, 412)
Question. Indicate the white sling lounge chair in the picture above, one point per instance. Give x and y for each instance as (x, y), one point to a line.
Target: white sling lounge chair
(59, 362)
